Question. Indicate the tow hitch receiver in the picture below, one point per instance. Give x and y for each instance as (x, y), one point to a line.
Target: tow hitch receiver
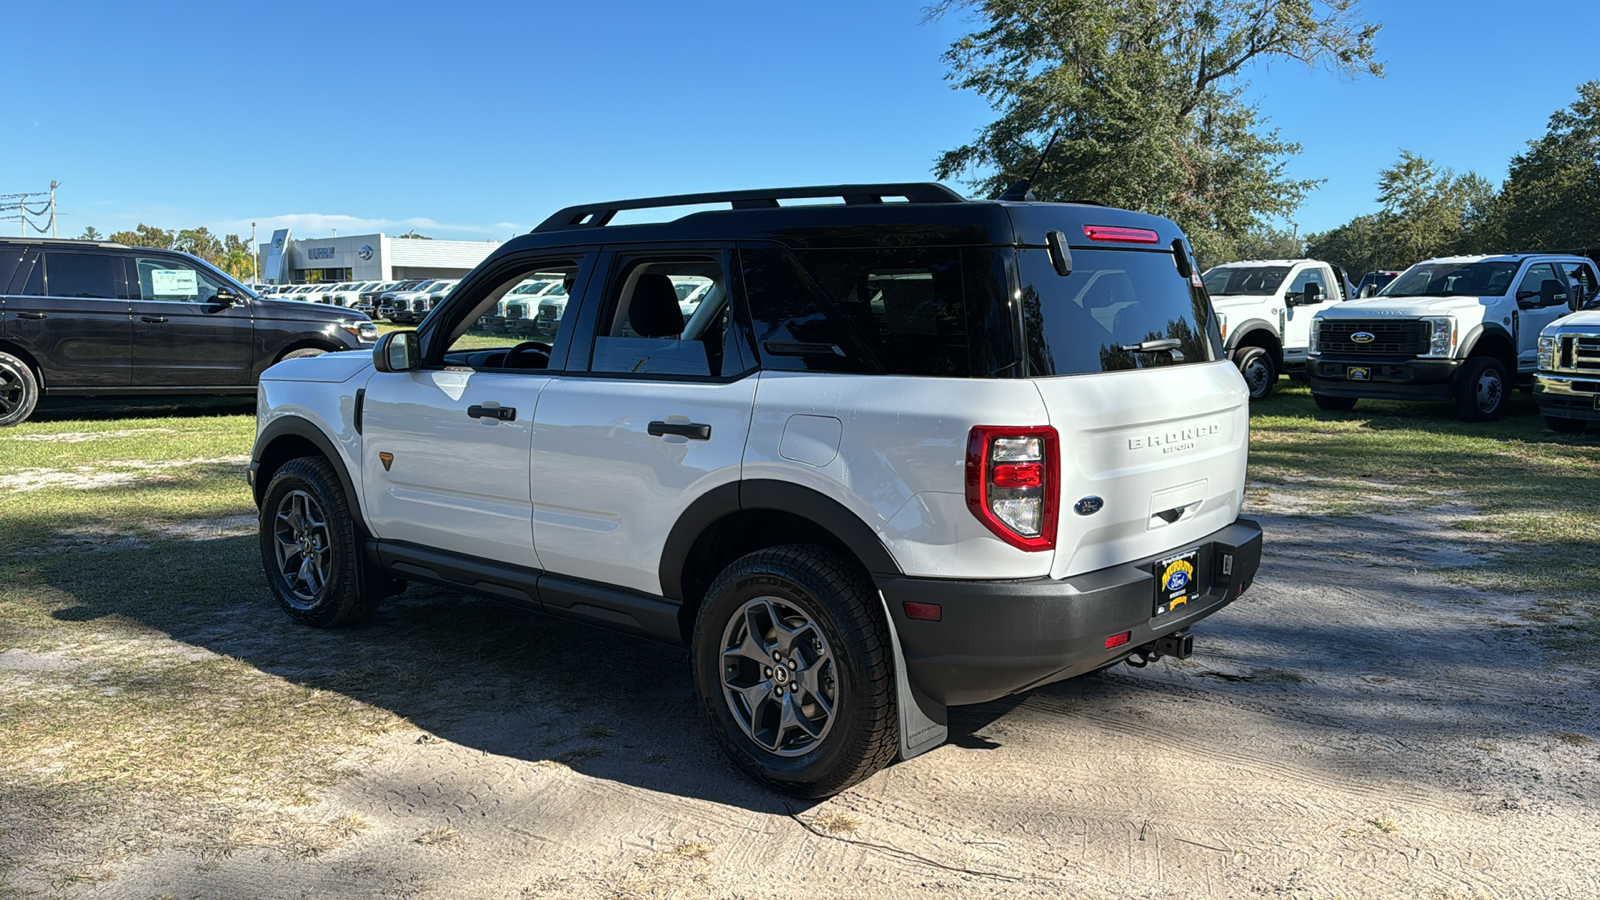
(1178, 645)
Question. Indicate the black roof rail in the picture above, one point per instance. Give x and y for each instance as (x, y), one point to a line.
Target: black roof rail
(595, 215)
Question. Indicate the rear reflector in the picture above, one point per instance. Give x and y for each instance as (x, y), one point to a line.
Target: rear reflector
(1117, 640)
(1121, 235)
(927, 612)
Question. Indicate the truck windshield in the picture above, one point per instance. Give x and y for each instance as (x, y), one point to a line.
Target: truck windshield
(1119, 309)
(1225, 280)
(1481, 279)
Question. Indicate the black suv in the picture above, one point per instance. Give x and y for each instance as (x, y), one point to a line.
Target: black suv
(93, 317)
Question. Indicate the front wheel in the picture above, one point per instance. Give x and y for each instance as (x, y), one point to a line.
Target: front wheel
(309, 548)
(1333, 404)
(1259, 370)
(1565, 426)
(1482, 389)
(795, 672)
(19, 390)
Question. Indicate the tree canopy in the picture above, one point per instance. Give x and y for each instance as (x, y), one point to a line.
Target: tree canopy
(1147, 99)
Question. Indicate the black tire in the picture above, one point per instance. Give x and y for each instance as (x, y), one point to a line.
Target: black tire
(1333, 404)
(302, 353)
(1259, 369)
(339, 594)
(1566, 426)
(19, 390)
(828, 592)
(1482, 388)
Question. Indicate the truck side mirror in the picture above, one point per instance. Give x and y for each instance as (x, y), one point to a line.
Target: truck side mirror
(1367, 290)
(397, 351)
(1313, 293)
(1550, 292)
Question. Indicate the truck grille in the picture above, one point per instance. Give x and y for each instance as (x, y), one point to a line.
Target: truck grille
(1400, 338)
(1579, 353)
(547, 313)
(516, 310)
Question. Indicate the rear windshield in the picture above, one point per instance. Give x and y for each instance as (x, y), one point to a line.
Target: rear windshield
(1119, 309)
(1225, 280)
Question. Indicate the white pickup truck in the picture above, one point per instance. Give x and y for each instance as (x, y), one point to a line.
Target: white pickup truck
(1264, 309)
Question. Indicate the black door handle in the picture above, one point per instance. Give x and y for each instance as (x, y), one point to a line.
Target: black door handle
(694, 431)
(154, 320)
(503, 413)
(29, 315)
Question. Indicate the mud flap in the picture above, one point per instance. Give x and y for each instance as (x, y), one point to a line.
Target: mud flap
(923, 724)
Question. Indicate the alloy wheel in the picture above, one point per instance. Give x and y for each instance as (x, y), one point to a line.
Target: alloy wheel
(778, 676)
(303, 545)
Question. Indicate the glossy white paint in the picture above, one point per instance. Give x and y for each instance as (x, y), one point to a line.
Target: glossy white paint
(606, 493)
(456, 483)
(1145, 441)
(327, 404)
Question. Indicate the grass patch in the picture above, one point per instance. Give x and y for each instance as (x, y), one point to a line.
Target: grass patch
(836, 823)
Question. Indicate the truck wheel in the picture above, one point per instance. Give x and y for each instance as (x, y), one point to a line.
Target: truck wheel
(1566, 426)
(302, 353)
(1481, 389)
(1333, 404)
(1259, 371)
(19, 390)
(308, 546)
(794, 670)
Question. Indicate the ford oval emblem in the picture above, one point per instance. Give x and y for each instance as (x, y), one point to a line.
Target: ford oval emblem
(1088, 506)
(1363, 337)
(365, 252)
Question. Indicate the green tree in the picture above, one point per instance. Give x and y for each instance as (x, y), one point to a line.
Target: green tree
(146, 236)
(236, 258)
(1551, 198)
(90, 233)
(1146, 98)
(1357, 246)
(413, 235)
(1429, 211)
(1267, 243)
(199, 242)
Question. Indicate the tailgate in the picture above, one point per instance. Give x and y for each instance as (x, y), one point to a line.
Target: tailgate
(1164, 449)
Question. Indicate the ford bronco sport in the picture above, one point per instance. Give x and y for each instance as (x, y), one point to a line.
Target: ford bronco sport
(905, 451)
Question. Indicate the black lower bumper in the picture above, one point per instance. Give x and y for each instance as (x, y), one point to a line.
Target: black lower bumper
(996, 638)
(1406, 379)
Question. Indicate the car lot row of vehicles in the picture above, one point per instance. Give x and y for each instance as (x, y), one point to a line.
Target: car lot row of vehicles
(1467, 329)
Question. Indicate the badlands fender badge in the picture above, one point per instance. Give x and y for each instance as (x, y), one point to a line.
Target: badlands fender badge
(1088, 506)
(387, 459)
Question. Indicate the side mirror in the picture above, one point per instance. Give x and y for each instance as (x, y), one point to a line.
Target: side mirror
(1368, 290)
(1313, 294)
(1550, 292)
(397, 351)
(226, 297)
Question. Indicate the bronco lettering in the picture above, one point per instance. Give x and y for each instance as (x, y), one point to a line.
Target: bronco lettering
(1176, 436)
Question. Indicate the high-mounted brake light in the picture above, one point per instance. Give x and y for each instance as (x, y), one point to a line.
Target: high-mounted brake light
(1113, 235)
(1013, 483)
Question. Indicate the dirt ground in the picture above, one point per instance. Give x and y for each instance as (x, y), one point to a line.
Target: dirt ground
(1354, 727)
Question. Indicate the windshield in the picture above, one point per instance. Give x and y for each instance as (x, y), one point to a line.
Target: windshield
(1481, 279)
(1225, 280)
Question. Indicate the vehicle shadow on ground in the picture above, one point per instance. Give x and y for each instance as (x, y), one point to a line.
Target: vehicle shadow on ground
(530, 687)
(88, 409)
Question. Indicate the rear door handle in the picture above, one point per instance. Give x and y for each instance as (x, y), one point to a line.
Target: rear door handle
(154, 320)
(694, 431)
(503, 413)
(31, 315)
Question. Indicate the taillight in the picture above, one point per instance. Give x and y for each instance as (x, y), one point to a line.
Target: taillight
(1012, 483)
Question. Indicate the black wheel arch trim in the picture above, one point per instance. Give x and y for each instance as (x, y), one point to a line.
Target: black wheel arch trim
(1237, 333)
(294, 426)
(781, 496)
(1479, 332)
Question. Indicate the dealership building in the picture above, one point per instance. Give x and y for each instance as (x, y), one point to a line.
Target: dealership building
(367, 257)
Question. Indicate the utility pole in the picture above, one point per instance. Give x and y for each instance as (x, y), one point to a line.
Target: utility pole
(255, 254)
(53, 185)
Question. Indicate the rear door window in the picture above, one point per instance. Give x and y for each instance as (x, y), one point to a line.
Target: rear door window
(82, 274)
(1108, 313)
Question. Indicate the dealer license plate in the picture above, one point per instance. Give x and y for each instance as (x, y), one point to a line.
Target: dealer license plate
(1177, 581)
(1358, 373)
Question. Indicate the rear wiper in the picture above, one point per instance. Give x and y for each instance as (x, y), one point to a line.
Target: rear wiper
(1162, 345)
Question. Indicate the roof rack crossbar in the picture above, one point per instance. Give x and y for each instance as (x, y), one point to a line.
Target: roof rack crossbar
(595, 215)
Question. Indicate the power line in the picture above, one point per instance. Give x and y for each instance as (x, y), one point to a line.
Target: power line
(26, 215)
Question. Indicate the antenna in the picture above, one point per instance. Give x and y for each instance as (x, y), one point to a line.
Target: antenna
(1021, 190)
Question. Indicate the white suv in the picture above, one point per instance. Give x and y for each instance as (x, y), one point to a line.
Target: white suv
(1462, 328)
(898, 456)
(1264, 311)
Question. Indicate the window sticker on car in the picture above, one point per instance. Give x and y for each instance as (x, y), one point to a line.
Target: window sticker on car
(174, 283)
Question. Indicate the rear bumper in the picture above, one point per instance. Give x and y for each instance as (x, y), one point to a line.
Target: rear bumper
(1568, 396)
(996, 638)
(1404, 379)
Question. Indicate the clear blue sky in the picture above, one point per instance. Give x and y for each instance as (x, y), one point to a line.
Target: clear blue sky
(474, 121)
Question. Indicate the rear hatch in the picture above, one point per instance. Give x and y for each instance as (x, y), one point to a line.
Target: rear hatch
(1153, 421)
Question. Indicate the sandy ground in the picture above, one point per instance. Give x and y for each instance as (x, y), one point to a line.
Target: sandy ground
(1354, 727)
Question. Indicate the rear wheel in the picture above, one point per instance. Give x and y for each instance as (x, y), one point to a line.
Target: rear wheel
(309, 549)
(19, 390)
(1334, 404)
(794, 670)
(1566, 426)
(1482, 389)
(1259, 370)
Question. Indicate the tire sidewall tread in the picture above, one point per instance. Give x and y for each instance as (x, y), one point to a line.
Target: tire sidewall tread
(30, 390)
(344, 602)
